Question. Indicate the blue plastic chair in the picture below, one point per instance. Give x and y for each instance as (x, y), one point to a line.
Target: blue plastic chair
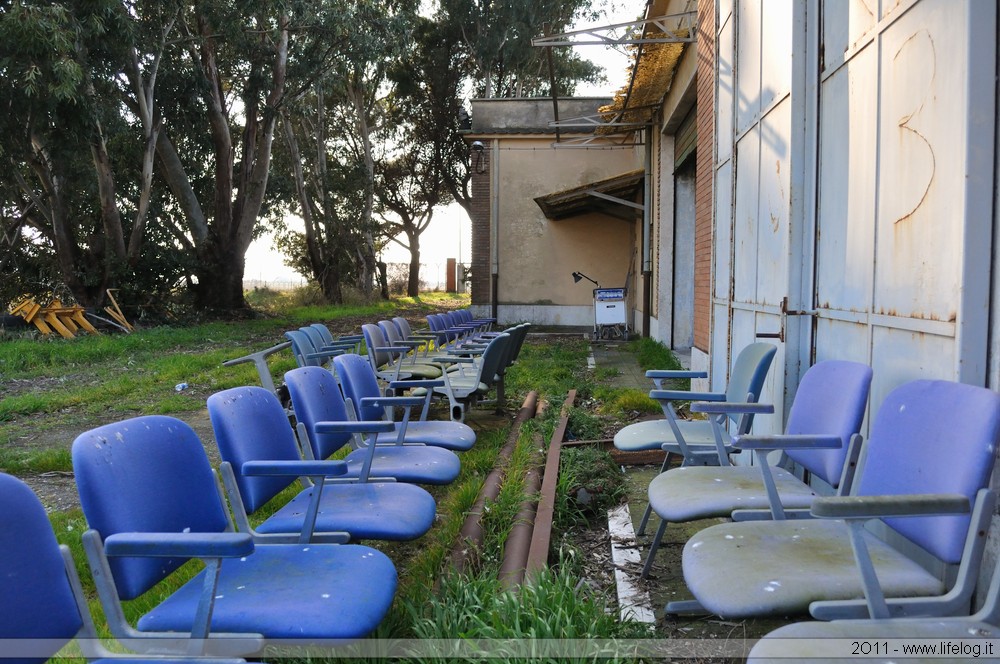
(305, 351)
(474, 377)
(930, 454)
(699, 442)
(261, 458)
(318, 401)
(152, 503)
(407, 359)
(42, 605)
(826, 415)
(361, 386)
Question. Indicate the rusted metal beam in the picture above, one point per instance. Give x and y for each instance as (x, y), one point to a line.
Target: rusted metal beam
(515, 551)
(541, 536)
(470, 538)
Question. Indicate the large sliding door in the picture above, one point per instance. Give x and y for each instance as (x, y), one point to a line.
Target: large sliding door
(751, 262)
(904, 185)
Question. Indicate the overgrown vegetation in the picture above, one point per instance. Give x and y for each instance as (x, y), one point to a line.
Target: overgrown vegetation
(111, 377)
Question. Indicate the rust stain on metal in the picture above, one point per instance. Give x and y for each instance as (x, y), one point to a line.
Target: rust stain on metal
(541, 535)
(470, 538)
(904, 122)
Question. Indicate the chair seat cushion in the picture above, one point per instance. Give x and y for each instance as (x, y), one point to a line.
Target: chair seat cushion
(449, 435)
(758, 568)
(415, 371)
(810, 640)
(463, 387)
(417, 464)
(699, 492)
(652, 434)
(339, 592)
(380, 511)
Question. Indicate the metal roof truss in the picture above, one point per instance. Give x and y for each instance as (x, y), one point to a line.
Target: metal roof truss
(672, 26)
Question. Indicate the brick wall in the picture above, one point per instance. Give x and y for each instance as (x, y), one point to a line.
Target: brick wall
(481, 226)
(705, 175)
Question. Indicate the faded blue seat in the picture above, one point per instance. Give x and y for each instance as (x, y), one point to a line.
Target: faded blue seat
(317, 400)
(699, 442)
(42, 605)
(261, 458)
(361, 386)
(391, 362)
(930, 454)
(811, 640)
(474, 377)
(152, 503)
(826, 414)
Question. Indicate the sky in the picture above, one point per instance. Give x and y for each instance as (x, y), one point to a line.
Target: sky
(450, 232)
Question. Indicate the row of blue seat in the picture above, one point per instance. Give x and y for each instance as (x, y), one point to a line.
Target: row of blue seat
(924, 477)
(152, 502)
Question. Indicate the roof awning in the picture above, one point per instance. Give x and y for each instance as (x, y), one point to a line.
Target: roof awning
(614, 196)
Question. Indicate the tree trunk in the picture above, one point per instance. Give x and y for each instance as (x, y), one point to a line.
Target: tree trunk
(413, 282)
(220, 278)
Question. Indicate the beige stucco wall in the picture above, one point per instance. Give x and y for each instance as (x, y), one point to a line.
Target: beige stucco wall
(537, 256)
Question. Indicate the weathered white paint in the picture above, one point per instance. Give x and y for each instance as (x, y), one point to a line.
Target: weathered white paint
(867, 197)
(634, 602)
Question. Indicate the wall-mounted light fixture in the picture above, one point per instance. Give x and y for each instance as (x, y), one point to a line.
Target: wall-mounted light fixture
(478, 149)
(577, 276)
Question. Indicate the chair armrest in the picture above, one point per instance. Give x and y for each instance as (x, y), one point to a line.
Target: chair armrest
(386, 402)
(670, 373)
(354, 427)
(731, 407)
(393, 349)
(410, 343)
(180, 545)
(253, 356)
(410, 384)
(452, 360)
(324, 354)
(877, 507)
(681, 395)
(787, 442)
(291, 468)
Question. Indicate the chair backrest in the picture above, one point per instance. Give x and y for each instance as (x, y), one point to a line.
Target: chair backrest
(403, 326)
(830, 400)
(147, 474)
(324, 332)
(315, 336)
(374, 338)
(36, 598)
(316, 397)
(493, 356)
(932, 436)
(302, 347)
(438, 325)
(390, 332)
(518, 341)
(359, 381)
(749, 371)
(250, 425)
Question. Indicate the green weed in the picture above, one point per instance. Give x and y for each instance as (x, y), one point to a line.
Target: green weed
(22, 461)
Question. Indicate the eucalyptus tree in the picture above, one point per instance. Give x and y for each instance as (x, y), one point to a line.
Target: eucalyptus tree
(337, 132)
(64, 141)
(496, 37)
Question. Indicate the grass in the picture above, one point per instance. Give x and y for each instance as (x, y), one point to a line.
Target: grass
(112, 376)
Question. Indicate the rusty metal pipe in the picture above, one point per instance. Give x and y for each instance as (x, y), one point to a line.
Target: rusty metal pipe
(515, 550)
(470, 538)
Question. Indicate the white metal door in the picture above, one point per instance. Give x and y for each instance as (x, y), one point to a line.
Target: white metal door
(904, 187)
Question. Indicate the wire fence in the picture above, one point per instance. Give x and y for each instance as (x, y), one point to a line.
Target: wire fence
(433, 277)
